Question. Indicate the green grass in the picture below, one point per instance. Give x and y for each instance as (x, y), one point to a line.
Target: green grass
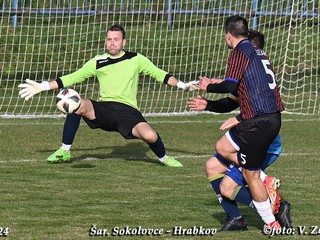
(116, 183)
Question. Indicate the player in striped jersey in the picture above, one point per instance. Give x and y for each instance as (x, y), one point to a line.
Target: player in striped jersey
(226, 180)
(249, 74)
(118, 73)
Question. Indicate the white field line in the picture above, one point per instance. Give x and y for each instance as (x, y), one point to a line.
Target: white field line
(142, 158)
(35, 122)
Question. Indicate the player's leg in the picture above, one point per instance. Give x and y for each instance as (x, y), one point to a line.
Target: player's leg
(215, 167)
(71, 126)
(146, 133)
(255, 137)
(260, 199)
(272, 183)
(228, 150)
(248, 148)
(233, 186)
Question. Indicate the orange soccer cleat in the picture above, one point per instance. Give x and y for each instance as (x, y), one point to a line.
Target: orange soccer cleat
(272, 185)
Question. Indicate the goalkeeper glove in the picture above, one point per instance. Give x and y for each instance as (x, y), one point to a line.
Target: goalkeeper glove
(182, 85)
(31, 88)
(191, 86)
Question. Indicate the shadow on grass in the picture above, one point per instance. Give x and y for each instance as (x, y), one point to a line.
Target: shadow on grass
(83, 165)
(132, 151)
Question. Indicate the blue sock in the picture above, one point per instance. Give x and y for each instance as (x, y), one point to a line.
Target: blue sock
(71, 126)
(158, 147)
(230, 207)
(243, 195)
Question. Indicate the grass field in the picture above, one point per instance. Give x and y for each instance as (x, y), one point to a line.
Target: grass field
(117, 183)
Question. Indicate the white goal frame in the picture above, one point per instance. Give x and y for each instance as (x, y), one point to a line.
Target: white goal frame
(44, 40)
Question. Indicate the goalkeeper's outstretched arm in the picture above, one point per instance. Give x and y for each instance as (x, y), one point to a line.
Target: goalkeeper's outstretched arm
(31, 88)
(190, 86)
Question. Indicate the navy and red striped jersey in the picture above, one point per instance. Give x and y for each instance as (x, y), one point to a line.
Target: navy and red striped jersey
(257, 90)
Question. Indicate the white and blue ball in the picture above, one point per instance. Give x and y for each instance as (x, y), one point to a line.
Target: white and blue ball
(68, 100)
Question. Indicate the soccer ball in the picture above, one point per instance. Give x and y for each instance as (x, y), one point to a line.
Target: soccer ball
(68, 100)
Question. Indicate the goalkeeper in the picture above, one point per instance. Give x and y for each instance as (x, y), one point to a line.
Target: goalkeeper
(118, 73)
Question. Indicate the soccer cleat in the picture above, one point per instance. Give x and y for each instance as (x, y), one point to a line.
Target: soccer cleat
(171, 162)
(270, 228)
(60, 155)
(234, 224)
(283, 216)
(272, 185)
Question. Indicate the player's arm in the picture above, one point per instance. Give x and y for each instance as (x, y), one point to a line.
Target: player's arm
(215, 85)
(224, 86)
(222, 105)
(31, 88)
(148, 68)
(231, 103)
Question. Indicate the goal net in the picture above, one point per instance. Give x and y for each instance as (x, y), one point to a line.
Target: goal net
(42, 40)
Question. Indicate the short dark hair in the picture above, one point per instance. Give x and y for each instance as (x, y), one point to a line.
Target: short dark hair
(117, 28)
(256, 38)
(237, 26)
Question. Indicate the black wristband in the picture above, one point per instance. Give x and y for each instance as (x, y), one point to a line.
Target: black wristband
(59, 82)
(239, 118)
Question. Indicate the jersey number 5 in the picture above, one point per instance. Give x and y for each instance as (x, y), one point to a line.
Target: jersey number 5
(266, 63)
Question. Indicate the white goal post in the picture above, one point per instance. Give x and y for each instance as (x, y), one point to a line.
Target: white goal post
(41, 40)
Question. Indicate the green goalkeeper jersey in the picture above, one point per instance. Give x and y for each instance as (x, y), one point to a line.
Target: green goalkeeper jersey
(118, 77)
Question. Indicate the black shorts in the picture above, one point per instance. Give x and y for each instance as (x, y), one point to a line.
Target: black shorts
(252, 138)
(114, 116)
